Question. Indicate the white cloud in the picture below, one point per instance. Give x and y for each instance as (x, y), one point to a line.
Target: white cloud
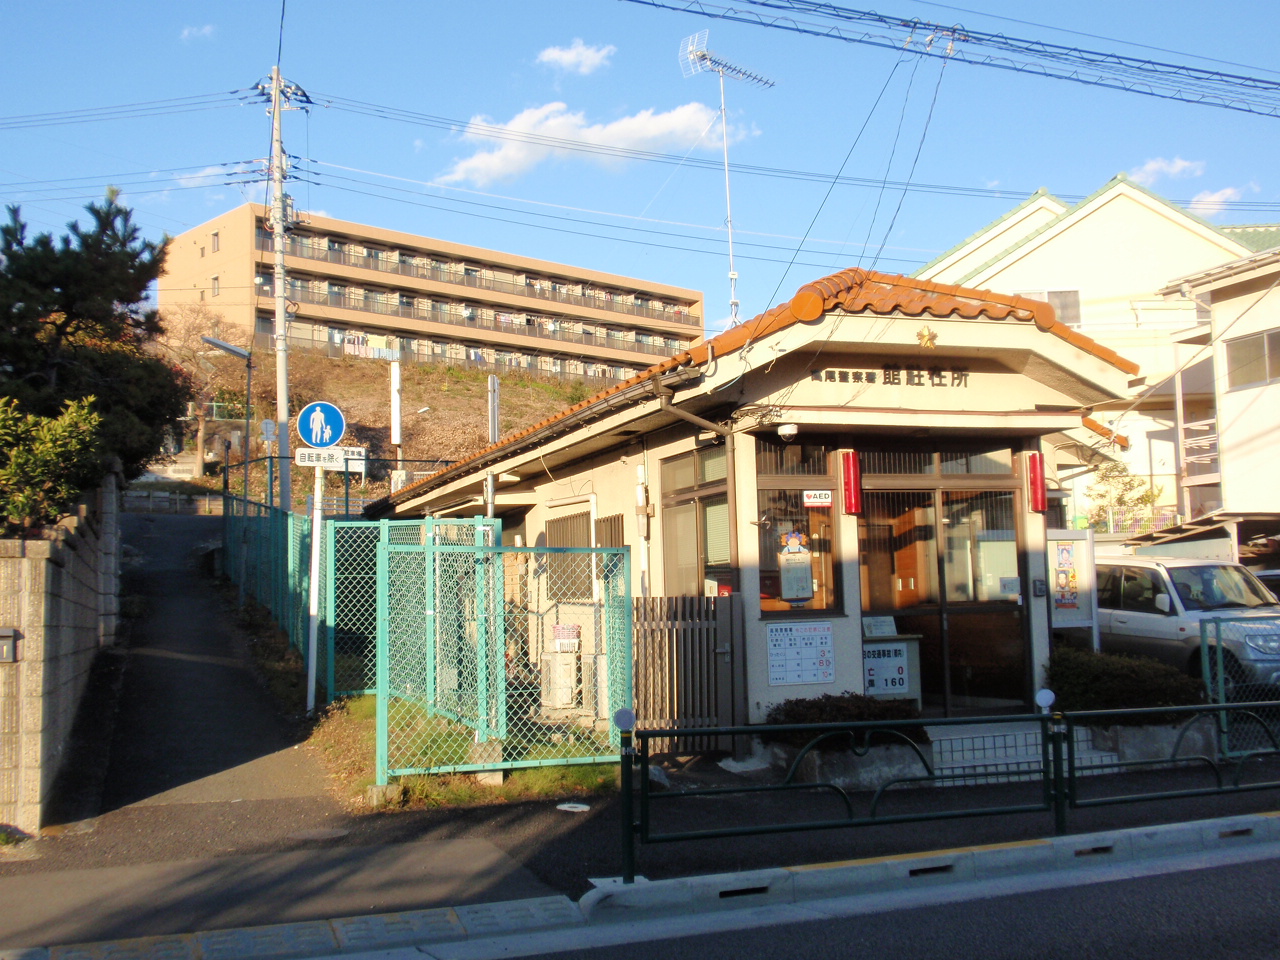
(1206, 203)
(1159, 168)
(577, 58)
(681, 127)
(197, 33)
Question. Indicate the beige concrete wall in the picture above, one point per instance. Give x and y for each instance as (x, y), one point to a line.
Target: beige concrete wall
(61, 597)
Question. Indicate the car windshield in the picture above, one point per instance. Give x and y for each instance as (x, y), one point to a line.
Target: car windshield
(1219, 586)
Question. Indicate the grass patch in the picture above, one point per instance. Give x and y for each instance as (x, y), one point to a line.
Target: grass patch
(344, 737)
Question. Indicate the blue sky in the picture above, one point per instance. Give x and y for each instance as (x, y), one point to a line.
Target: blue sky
(606, 72)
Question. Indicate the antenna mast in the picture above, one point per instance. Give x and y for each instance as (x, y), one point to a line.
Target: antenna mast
(696, 58)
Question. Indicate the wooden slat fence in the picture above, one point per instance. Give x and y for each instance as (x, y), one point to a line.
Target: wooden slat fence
(683, 671)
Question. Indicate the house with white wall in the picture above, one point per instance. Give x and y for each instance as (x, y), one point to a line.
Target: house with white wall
(1231, 456)
(1101, 264)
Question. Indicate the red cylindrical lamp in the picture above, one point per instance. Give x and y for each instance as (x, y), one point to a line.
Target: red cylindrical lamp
(852, 483)
(1038, 495)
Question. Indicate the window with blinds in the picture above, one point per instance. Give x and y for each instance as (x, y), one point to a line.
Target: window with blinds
(570, 574)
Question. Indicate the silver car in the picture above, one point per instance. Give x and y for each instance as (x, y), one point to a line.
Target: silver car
(1155, 607)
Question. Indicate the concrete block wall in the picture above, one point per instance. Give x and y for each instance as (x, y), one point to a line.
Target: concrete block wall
(60, 594)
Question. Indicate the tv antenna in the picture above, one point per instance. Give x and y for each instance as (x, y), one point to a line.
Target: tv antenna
(696, 58)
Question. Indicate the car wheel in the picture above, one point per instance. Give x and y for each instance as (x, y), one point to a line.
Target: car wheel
(1233, 676)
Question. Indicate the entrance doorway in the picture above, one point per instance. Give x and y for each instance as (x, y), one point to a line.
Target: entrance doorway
(943, 561)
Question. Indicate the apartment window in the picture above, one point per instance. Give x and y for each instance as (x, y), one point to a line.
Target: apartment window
(216, 286)
(1254, 359)
(214, 241)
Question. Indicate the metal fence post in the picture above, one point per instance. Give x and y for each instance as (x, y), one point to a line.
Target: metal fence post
(628, 814)
(1056, 727)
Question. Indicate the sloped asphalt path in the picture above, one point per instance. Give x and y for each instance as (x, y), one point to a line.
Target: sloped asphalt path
(211, 816)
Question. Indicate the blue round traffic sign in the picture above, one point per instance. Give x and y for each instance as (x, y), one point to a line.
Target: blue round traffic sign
(321, 424)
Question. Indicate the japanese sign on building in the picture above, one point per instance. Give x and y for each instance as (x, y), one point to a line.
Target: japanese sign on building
(800, 653)
(885, 668)
(896, 375)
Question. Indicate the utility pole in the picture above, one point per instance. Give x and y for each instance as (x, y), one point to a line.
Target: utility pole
(489, 478)
(281, 319)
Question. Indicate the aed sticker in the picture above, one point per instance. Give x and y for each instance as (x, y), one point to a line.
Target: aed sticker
(818, 498)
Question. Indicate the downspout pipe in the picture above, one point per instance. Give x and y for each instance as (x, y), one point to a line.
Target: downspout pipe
(664, 395)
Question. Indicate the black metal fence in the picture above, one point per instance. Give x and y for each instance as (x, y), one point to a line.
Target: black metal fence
(867, 785)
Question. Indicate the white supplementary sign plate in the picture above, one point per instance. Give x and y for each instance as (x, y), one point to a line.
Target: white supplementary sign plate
(885, 668)
(332, 458)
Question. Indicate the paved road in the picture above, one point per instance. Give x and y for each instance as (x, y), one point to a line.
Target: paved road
(1200, 914)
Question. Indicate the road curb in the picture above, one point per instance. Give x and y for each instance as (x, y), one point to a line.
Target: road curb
(613, 902)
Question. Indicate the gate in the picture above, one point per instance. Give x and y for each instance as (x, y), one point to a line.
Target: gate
(1226, 648)
(686, 652)
(348, 655)
(496, 658)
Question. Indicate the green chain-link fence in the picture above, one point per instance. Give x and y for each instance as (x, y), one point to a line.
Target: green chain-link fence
(1240, 660)
(267, 552)
(499, 657)
(482, 657)
(350, 603)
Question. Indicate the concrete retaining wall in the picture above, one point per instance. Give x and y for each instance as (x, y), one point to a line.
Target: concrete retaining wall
(61, 595)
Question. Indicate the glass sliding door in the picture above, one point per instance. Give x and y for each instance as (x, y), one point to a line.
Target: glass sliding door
(943, 559)
(987, 657)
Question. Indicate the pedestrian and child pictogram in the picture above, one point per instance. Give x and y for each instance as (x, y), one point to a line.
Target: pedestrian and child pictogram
(321, 424)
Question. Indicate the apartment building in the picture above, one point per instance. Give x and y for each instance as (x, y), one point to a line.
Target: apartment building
(359, 290)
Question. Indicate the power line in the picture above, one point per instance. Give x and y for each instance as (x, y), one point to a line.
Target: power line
(382, 193)
(1151, 78)
(1095, 36)
(498, 132)
(129, 111)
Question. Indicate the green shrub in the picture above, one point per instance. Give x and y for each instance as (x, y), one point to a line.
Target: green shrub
(1083, 680)
(46, 463)
(843, 708)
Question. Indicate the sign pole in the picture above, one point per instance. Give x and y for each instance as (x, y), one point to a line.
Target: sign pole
(313, 624)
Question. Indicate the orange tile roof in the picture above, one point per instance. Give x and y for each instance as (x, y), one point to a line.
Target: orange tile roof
(1120, 439)
(856, 291)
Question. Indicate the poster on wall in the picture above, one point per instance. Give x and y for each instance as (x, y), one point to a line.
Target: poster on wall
(800, 653)
(1073, 585)
(1066, 579)
(795, 568)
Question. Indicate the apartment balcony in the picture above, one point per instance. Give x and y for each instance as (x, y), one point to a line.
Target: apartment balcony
(539, 290)
(439, 314)
(1200, 453)
(527, 367)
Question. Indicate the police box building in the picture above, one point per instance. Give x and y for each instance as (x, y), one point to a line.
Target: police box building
(861, 470)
